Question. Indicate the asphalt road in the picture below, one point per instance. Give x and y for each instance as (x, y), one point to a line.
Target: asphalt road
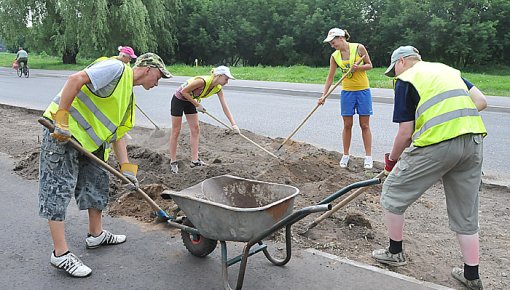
(153, 256)
(275, 110)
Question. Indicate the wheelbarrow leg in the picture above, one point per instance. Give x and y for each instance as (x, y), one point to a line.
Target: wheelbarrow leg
(224, 266)
(242, 268)
(288, 248)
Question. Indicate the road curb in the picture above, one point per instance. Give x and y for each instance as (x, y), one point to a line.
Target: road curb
(426, 284)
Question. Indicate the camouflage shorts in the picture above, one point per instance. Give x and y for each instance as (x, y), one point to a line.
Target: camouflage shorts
(63, 171)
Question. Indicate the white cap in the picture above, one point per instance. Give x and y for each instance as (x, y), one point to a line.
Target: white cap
(223, 70)
(334, 32)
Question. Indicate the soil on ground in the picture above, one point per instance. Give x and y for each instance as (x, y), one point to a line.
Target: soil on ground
(353, 232)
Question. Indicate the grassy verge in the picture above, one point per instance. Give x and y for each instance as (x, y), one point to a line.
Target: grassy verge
(494, 82)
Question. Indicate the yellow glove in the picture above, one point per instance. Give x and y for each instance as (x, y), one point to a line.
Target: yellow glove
(61, 132)
(129, 171)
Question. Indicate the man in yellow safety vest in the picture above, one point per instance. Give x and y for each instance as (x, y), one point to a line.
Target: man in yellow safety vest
(96, 107)
(438, 115)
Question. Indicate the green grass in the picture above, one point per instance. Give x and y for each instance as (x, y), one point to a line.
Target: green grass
(494, 81)
(44, 62)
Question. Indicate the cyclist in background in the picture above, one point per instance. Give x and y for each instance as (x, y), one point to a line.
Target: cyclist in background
(22, 57)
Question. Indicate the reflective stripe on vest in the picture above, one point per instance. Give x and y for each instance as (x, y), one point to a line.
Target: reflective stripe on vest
(96, 121)
(445, 109)
(439, 98)
(84, 124)
(443, 119)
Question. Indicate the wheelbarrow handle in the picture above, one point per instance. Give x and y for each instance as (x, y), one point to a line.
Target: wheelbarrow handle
(350, 187)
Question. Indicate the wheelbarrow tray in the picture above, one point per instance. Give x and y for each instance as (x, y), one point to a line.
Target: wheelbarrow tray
(230, 208)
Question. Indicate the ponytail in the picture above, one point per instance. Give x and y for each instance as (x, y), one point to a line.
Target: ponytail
(347, 35)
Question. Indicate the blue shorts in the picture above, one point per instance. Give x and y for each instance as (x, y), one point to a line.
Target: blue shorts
(356, 102)
(63, 173)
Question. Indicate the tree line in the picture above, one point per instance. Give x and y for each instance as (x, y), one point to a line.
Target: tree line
(260, 32)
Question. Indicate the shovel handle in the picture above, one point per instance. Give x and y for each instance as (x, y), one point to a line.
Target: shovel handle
(248, 139)
(157, 127)
(342, 203)
(161, 213)
(317, 106)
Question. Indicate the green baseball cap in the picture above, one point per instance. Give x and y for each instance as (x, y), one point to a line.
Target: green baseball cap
(150, 59)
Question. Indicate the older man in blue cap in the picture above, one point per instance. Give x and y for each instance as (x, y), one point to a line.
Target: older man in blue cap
(440, 137)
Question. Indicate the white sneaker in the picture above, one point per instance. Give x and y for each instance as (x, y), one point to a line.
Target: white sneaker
(385, 257)
(458, 273)
(344, 161)
(174, 167)
(71, 264)
(198, 162)
(368, 163)
(105, 238)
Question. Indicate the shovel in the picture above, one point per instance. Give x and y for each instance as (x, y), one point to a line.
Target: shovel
(158, 132)
(159, 212)
(157, 127)
(318, 105)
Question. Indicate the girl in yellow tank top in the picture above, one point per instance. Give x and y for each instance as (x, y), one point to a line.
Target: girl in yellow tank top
(356, 96)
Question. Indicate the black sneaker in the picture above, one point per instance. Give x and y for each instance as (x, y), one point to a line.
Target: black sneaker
(197, 163)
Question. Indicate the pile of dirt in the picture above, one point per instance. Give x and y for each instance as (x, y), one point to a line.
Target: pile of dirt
(352, 232)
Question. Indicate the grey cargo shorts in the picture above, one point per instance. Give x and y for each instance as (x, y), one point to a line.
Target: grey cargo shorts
(64, 172)
(457, 162)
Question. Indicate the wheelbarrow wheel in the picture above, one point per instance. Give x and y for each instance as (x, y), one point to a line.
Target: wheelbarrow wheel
(197, 245)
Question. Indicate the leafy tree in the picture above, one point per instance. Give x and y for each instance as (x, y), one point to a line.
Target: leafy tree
(91, 27)
(260, 32)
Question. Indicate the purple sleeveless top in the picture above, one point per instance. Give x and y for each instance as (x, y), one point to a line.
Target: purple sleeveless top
(195, 92)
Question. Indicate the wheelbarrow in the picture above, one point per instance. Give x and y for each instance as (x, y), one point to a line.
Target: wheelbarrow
(229, 208)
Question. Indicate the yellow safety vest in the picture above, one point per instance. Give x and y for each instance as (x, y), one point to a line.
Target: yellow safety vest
(356, 81)
(445, 109)
(97, 121)
(205, 92)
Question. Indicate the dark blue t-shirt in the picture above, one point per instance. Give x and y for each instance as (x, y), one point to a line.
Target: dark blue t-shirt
(407, 99)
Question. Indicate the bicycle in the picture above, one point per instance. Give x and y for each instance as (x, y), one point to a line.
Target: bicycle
(23, 70)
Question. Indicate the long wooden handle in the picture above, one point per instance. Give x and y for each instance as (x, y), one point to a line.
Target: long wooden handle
(77, 146)
(318, 105)
(157, 127)
(342, 203)
(248, 139)
(262, 148)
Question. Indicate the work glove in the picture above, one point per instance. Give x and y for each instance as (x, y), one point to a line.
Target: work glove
(236, 129)
(61, 132)
(129, 171)
(201, 108)
(388, 164)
